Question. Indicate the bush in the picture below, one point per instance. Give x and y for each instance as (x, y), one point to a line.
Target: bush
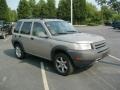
(108, 22)
(93, 16)
(92, 24)
(116, 17)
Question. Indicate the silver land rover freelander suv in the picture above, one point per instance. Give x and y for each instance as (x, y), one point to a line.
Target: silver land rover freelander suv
(57, 41)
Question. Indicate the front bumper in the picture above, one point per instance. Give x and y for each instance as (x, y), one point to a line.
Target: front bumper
(86, 57)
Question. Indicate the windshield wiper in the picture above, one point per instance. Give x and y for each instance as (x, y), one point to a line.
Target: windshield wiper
(72, 31)
(62, 33)
(59, 33)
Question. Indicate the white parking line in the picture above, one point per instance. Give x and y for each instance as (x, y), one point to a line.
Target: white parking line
(46, 87)
(114, 57)
(3, 80)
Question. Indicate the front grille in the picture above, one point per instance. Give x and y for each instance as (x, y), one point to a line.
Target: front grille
(97, 46)
(100, 46)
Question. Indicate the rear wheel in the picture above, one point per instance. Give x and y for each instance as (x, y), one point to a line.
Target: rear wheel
(63, 64)
(19, 52)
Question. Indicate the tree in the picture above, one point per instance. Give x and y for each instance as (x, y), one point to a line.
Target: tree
(115, 5)
(12, 15)
(51, 8)
(116, 17)
(3, 10)
(101, 2)
(107, 13)
(63, 10)
(24, 10)
(42, 9)
(79, 9)
(92, 14)
(32, 4)
(36, 11)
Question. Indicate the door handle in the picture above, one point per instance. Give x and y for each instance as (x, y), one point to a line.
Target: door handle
(32, 38)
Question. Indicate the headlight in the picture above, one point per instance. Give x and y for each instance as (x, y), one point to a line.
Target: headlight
(83, 46)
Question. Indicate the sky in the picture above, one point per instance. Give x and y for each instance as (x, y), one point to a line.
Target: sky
(13, 4)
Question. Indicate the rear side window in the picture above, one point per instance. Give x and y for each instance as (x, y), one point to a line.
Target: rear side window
(17, 28)
(26, 28)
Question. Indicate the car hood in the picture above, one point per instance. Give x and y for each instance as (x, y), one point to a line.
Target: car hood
(79, 38)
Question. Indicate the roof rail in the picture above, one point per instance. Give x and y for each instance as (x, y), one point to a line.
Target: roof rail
(41, 17)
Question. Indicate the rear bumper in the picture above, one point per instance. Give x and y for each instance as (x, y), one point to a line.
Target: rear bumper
(87, 57)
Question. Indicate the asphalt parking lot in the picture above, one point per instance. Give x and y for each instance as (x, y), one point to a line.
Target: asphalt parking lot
(34, 73)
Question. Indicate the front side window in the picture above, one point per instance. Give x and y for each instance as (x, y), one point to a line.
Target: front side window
(17, 28)
(26, 28)
(60, 27)
(38, 30)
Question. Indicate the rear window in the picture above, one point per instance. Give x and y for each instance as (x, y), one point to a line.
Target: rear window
(26, 28)
(16, 30)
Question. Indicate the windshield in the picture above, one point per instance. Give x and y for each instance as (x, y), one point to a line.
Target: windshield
(60, 27)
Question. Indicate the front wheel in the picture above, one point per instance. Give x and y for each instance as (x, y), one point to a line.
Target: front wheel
(63, 64)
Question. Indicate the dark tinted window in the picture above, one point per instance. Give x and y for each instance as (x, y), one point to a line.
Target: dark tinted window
(16, 30)
(38, 29)
(1, 23)
(26, 28)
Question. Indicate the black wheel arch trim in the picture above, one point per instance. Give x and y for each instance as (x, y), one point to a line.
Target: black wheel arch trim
(58, 48)
(17, 42)
(63, 49)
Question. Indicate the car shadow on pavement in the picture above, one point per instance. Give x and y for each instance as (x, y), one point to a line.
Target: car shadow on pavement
(9, 52)
(110, 63)
(33, 60)
(30, 59)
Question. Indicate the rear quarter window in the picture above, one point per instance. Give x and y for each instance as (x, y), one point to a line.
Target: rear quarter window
(17, 28)
(26, 28)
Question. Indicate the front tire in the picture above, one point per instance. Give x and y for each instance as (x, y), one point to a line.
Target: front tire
(63, 64)
(19, 52)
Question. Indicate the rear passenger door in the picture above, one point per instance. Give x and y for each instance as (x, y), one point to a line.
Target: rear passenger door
(24, 36)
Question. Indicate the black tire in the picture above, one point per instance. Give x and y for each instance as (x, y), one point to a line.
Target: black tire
(67, 63)
(22, 53)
